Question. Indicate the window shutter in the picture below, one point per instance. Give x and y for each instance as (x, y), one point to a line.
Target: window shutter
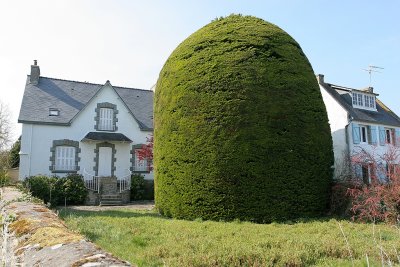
(356, 133)
(358, 170)
(65, 158)
(382, 138)
(397, 137)
(106, 119)
(372, 138)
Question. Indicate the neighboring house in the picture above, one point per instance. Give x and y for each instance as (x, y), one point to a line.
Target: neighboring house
(85, 128)
(360, 124)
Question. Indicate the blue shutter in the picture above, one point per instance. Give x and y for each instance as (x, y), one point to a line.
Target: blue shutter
(358, 171)
(356, 133)
(374, 140)
(397, 136)
(382, 140)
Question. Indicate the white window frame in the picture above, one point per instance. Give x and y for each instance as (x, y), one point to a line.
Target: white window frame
(359, 100)
(141, 165)
(365, 101)
(106, 119)
(65, 158)
(389, 132)
(364, 134)
(54, 112)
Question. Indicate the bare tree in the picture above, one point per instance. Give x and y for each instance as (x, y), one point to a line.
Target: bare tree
(5, 136)
(5, 127)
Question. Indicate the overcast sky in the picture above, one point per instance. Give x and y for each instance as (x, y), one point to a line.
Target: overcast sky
(127, 42)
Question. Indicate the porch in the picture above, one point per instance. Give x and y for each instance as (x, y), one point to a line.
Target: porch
(107, 190)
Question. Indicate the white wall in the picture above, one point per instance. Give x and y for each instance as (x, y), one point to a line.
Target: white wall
(38, 139)
(376, 150)
(338, 120)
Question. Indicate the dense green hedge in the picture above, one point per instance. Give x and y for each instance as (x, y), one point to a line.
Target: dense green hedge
(241, 130)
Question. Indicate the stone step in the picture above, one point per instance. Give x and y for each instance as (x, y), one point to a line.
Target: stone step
(110, 202)
(110, 197)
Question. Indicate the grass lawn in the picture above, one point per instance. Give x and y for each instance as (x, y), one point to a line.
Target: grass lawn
(147, 239)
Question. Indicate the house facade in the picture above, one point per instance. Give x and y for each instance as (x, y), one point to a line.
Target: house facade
(365, 132)
(77, 127)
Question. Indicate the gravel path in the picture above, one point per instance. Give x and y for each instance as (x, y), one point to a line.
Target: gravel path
(136, 205)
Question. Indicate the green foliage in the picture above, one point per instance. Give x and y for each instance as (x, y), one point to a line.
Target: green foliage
(241, 130)
(137, 187)
(4, 178)
(14, 154)
(55, 190)
(72, 188)
(141, 189)
(41, 187)
(148, 190)
(146, 239)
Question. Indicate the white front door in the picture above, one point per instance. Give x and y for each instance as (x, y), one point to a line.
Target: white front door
(105, 161)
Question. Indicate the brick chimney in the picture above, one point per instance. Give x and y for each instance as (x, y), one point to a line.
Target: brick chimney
(320, 78)
(35, 73)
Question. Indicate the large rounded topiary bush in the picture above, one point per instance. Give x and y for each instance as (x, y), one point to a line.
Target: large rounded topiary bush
(241, 130)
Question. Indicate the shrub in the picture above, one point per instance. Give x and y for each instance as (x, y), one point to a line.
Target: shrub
(56, 190)
(4, 178)
(375, 198)
(340, 200)
(41, 187)
(137, 187)
(148, 190)
(141, 189)
(241, 130)
(72, 189)
(14, 154)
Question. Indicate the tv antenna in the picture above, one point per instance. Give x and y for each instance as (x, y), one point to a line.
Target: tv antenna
(372, 69)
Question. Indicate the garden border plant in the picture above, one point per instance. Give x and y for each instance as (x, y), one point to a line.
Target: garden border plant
(57, 190)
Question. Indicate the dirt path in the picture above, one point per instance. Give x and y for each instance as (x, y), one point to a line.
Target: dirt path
(137, 205)
(33, 235)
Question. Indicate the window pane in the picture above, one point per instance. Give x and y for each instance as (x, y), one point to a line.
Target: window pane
(366, 100)
(140, 164)
(106, 119)
(64, 158)
(360, 101)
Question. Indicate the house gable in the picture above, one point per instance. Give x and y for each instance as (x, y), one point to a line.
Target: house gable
(69, 98)
(343, 95)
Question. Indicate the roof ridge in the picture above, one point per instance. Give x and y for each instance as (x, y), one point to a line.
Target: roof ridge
(130, 88)
(115, 86)
(65, 80)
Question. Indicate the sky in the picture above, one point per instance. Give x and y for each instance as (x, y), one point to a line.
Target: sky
(128, 41)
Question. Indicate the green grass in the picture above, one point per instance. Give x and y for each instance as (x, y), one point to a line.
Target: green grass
(147, 239)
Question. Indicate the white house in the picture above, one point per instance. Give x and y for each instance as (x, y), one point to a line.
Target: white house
(360, 123)
(85, 128)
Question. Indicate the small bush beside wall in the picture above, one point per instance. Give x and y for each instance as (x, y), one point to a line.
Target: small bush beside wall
(55, 190)
(41, 187)
(141, 189)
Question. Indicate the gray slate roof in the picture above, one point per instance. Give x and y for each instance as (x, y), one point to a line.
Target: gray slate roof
(383, 115)
(70, 97)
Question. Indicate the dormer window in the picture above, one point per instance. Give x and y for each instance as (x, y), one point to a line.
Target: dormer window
(54, 112)
(363, 100)
(106, 117)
